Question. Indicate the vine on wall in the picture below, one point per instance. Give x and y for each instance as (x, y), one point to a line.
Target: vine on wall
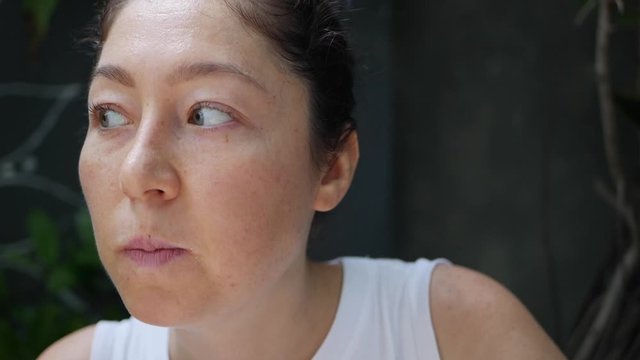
(610, 325)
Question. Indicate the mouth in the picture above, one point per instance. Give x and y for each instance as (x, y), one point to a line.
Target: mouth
(149, 252)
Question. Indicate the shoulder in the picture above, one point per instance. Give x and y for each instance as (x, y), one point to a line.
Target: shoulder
(474, 316)
(75, 346)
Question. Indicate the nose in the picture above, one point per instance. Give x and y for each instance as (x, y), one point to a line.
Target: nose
(148, 173)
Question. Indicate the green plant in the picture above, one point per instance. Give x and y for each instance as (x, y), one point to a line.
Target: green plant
(38, 14)
(51, 284)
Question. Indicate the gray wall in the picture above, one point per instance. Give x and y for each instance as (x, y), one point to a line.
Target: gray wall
(363, 223)
(498, 146)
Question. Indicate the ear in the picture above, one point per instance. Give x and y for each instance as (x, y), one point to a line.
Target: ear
(336, 179)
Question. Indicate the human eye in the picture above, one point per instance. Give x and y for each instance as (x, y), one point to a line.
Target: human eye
(209, 116)
(107, 117)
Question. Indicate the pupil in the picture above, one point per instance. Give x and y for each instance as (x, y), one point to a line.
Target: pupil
(199, 117)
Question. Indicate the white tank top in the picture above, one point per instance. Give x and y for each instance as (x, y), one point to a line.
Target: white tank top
(383, 314)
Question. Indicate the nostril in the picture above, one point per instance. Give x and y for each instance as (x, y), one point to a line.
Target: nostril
(159, 193)
(148, 185)
(147, 174)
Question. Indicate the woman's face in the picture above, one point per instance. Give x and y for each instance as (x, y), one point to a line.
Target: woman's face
(196, 166)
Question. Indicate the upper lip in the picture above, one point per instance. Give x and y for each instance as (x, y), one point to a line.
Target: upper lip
(147, 243)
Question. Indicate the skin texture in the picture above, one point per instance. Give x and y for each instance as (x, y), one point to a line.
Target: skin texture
(238, 195)
(477, 318)
(75, 346)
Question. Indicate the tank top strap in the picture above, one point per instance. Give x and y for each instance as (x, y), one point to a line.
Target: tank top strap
(383, 312)
(356, 280)
(419, 285)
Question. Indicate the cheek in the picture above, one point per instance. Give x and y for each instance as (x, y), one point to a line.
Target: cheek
(85, 167)
(98, 179)
(255, 210)
(98, 173)
(89, 174)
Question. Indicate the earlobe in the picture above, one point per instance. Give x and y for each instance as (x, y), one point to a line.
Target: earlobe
(337, 178)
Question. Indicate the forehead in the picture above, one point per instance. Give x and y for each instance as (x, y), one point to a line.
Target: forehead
(187, 17)
(154, 35)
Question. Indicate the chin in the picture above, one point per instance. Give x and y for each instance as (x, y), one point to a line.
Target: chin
(168, 296)
(160, 303)
(161, 311)
(156, 318)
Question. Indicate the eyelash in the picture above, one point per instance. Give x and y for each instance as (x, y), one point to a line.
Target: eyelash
(211, 105)
(96, 110)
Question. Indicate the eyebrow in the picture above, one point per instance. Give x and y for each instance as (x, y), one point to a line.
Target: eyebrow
(191, 71)
(182, 73)
(114, 73)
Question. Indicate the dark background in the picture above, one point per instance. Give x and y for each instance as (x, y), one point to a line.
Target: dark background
(479, 129)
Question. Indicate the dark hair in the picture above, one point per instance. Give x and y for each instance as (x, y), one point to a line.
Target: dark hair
(309, 36)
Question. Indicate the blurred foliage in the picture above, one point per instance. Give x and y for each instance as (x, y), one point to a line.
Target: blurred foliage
(629, 19)
(625, 17)
(51, 284)
(38, 14)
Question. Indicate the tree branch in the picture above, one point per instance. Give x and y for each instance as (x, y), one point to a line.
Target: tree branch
(63, 95)
(605, 95)
(616, 286)
(41, 183)
(623, 210)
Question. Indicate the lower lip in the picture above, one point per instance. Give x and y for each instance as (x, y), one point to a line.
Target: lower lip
(154, 258)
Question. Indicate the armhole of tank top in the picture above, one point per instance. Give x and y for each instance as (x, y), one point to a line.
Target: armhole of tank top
(339, 342)
(427, 341)
(104, 339)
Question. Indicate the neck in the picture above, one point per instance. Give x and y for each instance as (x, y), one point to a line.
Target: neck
(290, 321)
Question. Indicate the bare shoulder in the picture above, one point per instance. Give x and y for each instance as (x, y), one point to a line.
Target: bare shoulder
(475, 317)
(75, 346)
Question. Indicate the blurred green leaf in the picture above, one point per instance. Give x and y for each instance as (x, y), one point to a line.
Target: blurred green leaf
(61, 278)
(25, 314)
(44, 234)
(3, 285)
(8, 341)
(39, 12)
(630, 106)
(47, 324)
(83, 226)
(629, 19)
(86, 254)
(66, 288)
